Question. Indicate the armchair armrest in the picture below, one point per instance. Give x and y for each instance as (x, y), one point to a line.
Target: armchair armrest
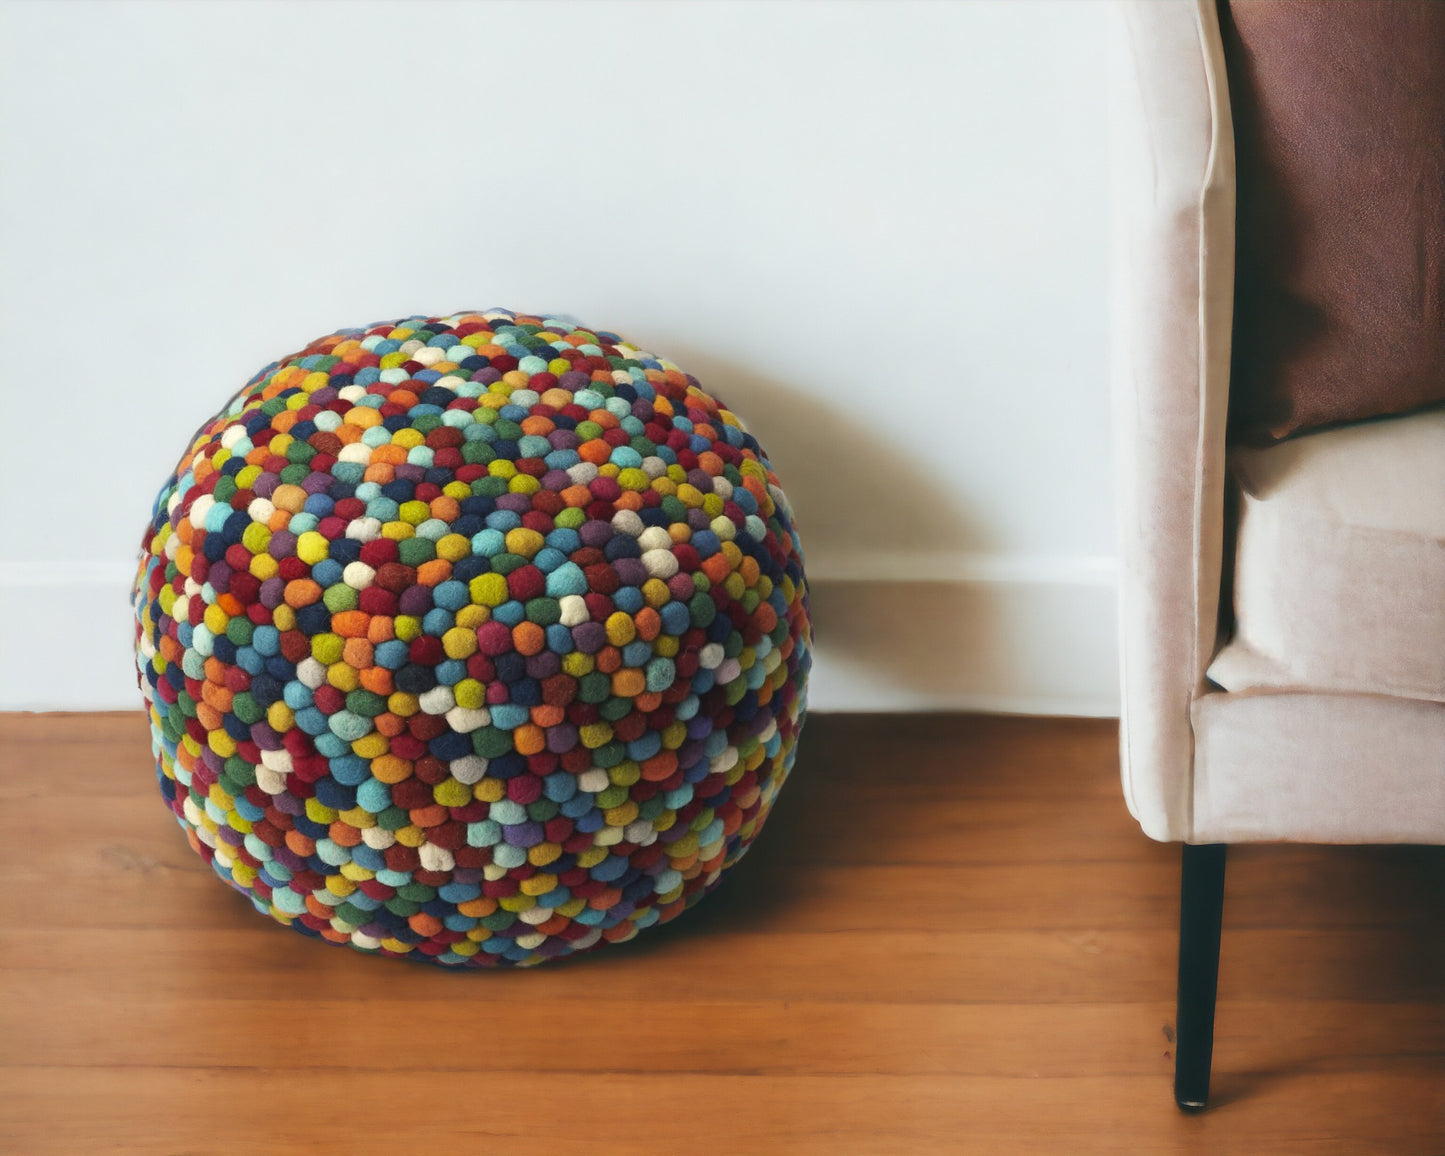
(1172, 155)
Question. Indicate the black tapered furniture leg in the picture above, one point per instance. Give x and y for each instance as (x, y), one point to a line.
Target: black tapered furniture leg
(1201, 907)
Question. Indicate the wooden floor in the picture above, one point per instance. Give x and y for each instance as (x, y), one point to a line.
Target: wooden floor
(950, 938)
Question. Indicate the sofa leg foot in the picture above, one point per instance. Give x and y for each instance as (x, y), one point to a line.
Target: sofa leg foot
(1201, 906)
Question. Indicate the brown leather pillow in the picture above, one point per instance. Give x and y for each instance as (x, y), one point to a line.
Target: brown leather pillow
(1339, 117)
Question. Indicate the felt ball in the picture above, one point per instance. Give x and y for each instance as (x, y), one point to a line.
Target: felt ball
(481, 640)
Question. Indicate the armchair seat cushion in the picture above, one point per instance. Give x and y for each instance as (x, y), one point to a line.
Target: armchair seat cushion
(1339, 582)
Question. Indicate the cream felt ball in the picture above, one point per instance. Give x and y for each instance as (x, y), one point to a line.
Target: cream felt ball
(478, 639)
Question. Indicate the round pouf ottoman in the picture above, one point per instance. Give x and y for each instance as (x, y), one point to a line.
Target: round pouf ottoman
(480, 639)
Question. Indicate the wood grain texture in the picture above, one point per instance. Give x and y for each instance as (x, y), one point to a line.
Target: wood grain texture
(950, 938)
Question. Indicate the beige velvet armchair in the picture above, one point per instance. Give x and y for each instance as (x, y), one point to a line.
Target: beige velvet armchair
(1282, 609)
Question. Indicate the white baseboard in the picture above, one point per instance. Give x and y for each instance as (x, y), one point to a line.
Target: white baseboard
(66, 636)
(931, 633)
(994, 635)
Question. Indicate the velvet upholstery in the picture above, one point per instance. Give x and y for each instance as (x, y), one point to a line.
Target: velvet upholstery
(1339, 114)
(1318, 768)
(1173, 278)
(1201, 763)
(1339, 578)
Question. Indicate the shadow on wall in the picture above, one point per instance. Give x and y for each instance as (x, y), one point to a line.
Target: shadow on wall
(900, 624)
(865, 504)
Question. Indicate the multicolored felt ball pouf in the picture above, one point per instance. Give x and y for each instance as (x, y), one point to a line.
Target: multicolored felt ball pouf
(478, 639)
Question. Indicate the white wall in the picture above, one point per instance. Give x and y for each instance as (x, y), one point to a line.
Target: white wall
(877, 229)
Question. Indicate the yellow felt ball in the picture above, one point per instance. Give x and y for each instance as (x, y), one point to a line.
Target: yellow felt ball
(450, 793)
(489, 589)
(216, 619)
(620, 627)
(453, 547)
(458, 642)
(256, 538)
(470, 694)
(312, 547)
(524, 542)
(415, 513)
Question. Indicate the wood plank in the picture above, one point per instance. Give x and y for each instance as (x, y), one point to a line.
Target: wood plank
(745, 1037)
(950, 938)
(678, 962)
(283, 1110)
